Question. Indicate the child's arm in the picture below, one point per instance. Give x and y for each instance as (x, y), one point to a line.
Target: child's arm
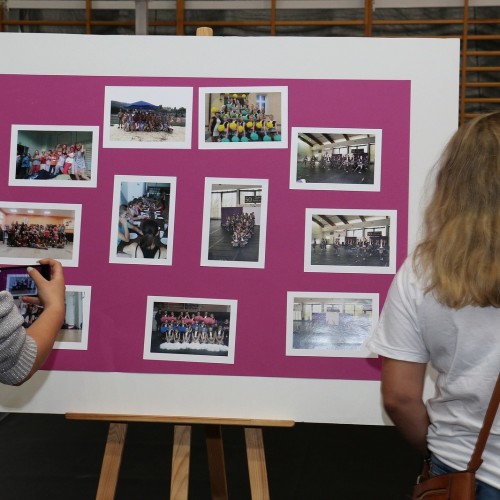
(17, 352)
(51, 297)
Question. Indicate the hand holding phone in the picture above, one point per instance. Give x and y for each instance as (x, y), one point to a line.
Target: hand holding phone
(51, 290)
(18, 282)
(51, 297)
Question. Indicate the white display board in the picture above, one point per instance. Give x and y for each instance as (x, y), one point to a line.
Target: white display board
(432, 68)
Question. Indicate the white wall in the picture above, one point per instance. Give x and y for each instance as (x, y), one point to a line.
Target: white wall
(248, 209)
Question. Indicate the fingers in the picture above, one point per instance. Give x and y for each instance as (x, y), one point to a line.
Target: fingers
(56, 272)
(50, 292)
(35, 275)
(55, 268)
(31, 300)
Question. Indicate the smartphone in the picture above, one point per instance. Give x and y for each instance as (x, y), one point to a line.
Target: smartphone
(17, 281)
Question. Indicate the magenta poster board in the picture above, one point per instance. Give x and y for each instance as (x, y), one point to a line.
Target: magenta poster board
(121, 325)
(263, 260)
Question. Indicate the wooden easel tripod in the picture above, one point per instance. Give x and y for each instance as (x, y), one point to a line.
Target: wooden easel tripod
(179, 484)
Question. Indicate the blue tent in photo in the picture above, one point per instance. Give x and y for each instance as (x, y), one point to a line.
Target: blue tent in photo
(147, 106)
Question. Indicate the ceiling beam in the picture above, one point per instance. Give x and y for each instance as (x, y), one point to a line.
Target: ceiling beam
(314, 139)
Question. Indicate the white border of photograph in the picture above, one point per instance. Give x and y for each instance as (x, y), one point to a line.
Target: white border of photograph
(73, 262)
(362, 352)
(335, 186)
(229, 359)
(126, 93)
(91, 183)
(390, 269)
(83, 344)
(209, 182)
(118, 179)
(202, 144)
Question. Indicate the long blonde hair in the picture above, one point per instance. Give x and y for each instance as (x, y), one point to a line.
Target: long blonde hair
(459, 256)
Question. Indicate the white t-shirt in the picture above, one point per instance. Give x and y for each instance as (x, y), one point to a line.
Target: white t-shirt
(463, 345)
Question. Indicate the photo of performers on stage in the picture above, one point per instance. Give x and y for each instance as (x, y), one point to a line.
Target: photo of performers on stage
(336, 159)
(234, 220)
(349, 242)
(190, 329)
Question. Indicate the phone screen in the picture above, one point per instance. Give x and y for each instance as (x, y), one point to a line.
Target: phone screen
(18, 282)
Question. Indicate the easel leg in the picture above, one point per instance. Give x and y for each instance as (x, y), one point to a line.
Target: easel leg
(256, 463)
(216, 465)
(179, 484)
(111, 461)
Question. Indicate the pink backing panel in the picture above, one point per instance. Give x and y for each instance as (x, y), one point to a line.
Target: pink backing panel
(119, 292)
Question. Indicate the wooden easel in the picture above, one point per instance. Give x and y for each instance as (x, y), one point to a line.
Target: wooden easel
(179, 484)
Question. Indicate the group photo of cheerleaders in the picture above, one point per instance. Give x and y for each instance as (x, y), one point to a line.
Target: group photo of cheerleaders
(234, 222)
(350, 242)
(39, 236)
(178, 330)
(39, 230)
(156, 117)
(40, 155)
(20, 284)
(337, 159)
(141, 227)
(330, 324)
(234, 118)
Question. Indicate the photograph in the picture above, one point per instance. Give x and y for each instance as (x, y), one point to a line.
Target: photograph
(75, 329)
(330, 324)
(53, 156)
(33, 231)
(335, 159)
(350, 243)
(241, 118)
(148, 117)
(142, 225)
(19, 285)
(234, 222)
(188, 329)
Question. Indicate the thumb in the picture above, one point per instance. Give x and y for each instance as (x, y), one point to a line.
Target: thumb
(35, 275)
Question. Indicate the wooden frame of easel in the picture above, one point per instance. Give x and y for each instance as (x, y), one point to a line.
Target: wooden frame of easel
(179, 484)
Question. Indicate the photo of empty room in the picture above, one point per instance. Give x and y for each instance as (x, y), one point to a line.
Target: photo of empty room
(330, 324)
(234, 220)
(344, 241)
(75, 329)
(335, 159)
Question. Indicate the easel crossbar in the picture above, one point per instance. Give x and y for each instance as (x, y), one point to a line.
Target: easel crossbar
(180, 420)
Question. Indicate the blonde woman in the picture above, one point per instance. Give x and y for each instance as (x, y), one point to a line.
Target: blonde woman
(444, 308)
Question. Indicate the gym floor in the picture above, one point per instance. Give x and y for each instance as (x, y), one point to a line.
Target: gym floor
(220, 247)
(46, 457)
(319, 175)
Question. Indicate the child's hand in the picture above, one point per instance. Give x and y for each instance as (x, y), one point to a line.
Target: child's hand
(50, 293)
